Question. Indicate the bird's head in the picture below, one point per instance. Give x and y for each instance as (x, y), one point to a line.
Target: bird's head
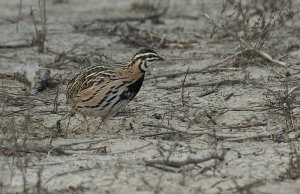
(146, 57)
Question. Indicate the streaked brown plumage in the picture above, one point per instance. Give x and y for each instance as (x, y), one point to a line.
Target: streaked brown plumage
(102, 91)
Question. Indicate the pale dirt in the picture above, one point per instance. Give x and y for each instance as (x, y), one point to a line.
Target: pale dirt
(113, 161)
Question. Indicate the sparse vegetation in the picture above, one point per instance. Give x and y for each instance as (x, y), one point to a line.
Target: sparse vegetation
(40, 25)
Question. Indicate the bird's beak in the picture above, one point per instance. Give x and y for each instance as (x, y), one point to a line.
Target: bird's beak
(160, 58)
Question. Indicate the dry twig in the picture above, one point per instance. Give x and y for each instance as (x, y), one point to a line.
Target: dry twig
(260, 135)
(154, 16)
(17, 44)
(32, 149)
(195, 132)
(216, 84)
(202, 70)
(182, 86)
(181, 163)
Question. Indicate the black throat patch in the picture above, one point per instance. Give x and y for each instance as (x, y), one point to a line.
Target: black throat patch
(134, 88)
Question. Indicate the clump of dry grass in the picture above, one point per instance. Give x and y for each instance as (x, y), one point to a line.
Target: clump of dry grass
(251, 22)
(254, 19)
(17, 139)
(293, 171)
(282, 105)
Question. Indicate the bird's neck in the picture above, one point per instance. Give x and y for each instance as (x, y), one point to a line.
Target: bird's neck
(135, 66)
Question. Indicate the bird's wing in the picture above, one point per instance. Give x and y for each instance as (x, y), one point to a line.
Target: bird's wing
(87, 78)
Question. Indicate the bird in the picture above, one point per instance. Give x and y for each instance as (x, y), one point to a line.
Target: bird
(102, 91)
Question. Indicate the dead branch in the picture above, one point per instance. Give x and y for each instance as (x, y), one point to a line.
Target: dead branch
(246, 126)
(195, 71)
(181, 163)
(197, 131)
(55, 102)
(134, 149)
(71, 172)
(138, 37)
(166, 168)
(17, 44)
(260, 135)
(250, 109)
(154, 16)
(68, 56)
(269, 58)
(156, 134)
(216, 84)
(183, 85)
(65, 146)
(207, 92)
(19, 15)
(204, 69)
(294, 90)
(15, 97)
(31, 149)
(47, 149)
(228, 137)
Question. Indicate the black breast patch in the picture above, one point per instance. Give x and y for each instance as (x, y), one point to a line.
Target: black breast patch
(132, 89)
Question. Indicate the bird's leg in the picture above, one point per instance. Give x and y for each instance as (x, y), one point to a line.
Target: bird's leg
(85, 122)
(104, 121)
(68, 123)
(106, 125)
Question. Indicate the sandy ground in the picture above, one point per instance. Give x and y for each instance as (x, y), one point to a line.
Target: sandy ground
(230, 128)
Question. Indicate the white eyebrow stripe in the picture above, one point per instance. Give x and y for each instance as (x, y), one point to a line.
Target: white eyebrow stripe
(144, 55)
